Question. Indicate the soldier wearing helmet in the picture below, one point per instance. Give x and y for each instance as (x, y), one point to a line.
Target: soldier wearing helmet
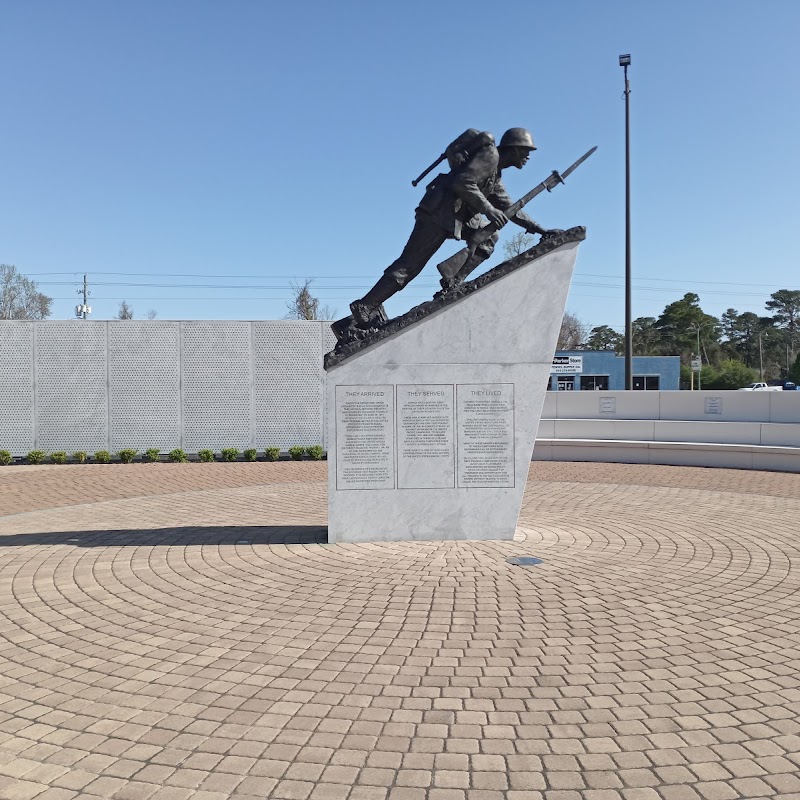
(453, 207)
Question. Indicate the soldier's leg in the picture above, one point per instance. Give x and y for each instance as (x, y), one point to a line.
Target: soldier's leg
(484, 249)
(426, 238)
(482, 252)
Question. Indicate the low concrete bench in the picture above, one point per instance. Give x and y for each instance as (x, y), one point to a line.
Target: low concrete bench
(743, 445)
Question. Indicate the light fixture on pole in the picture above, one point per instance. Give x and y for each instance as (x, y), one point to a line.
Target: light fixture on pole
(625, 62)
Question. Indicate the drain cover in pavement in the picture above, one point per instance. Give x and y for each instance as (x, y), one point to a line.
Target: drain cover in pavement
(524, 561)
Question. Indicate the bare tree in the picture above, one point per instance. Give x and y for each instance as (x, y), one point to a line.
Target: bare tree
(572, 334)
(517, 244)
(20, 297)
(125, 311)
(304, 305)
(152, 314)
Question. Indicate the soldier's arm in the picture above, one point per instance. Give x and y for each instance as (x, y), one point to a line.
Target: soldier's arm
(469, 178)
(501, 199)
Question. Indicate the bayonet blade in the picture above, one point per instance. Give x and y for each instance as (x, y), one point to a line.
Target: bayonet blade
(570, 170)
(549, 183)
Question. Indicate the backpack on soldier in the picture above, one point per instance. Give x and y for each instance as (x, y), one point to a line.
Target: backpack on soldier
(460, 150)
(465, 146)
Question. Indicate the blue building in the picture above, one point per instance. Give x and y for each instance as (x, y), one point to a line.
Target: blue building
(604, 370)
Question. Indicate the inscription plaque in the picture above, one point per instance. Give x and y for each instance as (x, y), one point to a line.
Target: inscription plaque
(425, 437)
(365, 437)
(713, 405)
(485, 435)
(608, 405)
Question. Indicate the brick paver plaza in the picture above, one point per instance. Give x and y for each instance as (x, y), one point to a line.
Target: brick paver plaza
(184, 631)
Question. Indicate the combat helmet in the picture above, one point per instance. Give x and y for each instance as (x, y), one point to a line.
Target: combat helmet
(517, 137)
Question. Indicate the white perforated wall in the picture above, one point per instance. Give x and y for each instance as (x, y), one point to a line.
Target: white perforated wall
(144, 381)
(96, 385)
(16, 387)
(216, 385)
(328, 343)
(71, 381)
(289, 383)
(328, 339)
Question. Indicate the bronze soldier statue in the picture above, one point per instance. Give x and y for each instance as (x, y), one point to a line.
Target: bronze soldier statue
(453, 207)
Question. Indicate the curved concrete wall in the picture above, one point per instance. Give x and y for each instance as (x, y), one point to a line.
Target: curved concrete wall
(753, 430)
(713, 406)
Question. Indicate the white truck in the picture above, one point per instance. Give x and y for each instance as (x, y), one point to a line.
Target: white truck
(761, 387)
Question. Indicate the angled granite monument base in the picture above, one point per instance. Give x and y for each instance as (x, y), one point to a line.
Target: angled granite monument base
(432, 420)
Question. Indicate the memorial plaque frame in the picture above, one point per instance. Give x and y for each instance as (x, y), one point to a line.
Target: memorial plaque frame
(349, 424)
(431, 429)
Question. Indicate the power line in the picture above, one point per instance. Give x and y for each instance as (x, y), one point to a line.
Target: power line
(358, 287)
(685, 281)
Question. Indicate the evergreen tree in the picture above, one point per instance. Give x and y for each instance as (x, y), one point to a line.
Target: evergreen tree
(604, 337)
(679, 323)
(646, 337)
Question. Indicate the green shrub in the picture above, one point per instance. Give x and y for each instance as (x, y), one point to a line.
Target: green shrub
(35, 456)
(59, 457)
(730, 374)
(272, 453)
(79, 456)
(251, 454)
(794, 372)
(315, 452)
(6, 458)
(102, 457)
(205, 455)
(296, 453)
(177, 456)
(229, 453)
(126, 456)
(152, 454)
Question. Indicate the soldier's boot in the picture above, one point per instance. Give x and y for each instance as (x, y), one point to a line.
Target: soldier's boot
(454, 263)
(467, 263)
(368, 310)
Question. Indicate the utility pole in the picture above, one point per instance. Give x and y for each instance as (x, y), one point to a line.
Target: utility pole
(760, 359)
(624, 62)
(700, 356)
(82, 311)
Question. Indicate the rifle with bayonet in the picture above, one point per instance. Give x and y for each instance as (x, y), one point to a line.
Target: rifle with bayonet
(455, 269)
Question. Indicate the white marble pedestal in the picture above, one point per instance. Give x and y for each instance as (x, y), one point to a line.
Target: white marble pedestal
(431, 429)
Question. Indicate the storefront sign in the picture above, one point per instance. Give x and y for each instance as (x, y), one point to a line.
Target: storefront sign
(567, 365)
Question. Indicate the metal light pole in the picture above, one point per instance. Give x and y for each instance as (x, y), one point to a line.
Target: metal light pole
(625, 62)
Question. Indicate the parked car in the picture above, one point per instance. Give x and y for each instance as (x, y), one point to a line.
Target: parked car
(787, 386)
(761, 387)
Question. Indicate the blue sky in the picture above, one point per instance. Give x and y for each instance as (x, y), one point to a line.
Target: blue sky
(173, 148)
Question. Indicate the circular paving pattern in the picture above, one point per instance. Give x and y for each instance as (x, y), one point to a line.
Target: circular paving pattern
(206, 643)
